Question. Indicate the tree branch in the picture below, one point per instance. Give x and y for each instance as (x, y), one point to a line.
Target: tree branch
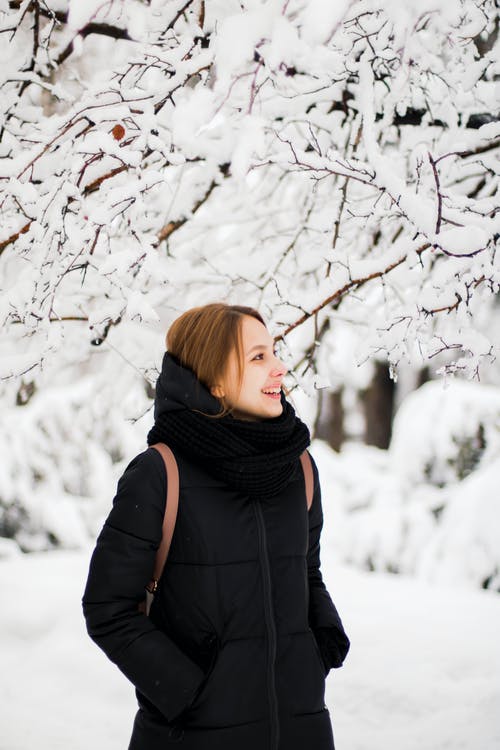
(353, 284)
(173, 226)
(438, 192)
(96, 184)
(491, 146)
(14, 237)
(102, 29)
(179, 14)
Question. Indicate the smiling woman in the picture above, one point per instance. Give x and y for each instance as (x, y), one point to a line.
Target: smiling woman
(242, 631)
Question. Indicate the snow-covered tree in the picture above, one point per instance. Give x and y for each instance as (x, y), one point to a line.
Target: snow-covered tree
(322, 160)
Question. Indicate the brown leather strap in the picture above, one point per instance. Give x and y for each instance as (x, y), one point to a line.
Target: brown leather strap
(305, 460)
(170, 516)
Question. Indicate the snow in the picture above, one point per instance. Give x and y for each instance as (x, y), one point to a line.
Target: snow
(81, 13)
(438, 416)
(462, 240)
(467, 540)
(237, 37)
(423, 667)
(322, 18)
(422, 672)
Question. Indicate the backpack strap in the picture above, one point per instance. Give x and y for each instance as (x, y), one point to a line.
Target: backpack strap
(305, 460)
(170, 516)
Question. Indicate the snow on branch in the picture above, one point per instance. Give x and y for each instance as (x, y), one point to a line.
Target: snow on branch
(315, 164)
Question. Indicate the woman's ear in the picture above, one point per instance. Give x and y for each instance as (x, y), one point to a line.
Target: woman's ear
(217, 391)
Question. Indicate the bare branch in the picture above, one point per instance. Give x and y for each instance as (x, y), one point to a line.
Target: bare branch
(14, 237)
(438, 193)
(490, 146)
(96, 184)
(179, 14)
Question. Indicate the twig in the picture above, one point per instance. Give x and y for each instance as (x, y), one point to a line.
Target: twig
(438, 192)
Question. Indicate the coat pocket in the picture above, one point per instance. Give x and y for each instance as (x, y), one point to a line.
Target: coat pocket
(209, 653)
(234, 691)
(300, 674)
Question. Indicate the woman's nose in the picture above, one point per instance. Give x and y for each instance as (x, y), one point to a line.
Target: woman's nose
(280, 369)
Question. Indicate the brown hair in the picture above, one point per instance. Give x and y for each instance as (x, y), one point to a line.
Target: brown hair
(203, 338)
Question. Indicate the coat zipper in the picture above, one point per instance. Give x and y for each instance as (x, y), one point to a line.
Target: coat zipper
(271, 627)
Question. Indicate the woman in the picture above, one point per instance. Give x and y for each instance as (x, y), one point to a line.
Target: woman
(242, 631)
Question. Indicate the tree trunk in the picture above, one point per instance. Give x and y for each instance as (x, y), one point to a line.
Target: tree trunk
(378, 406)
(330, 420)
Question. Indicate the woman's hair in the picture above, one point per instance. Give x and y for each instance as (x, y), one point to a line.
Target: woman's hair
(203, 338)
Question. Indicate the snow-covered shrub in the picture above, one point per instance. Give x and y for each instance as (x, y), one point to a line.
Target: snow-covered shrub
(429, 505)
(443, 432)
(61, 455)
(466, 544)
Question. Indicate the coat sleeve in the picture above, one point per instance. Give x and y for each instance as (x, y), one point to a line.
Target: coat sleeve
(120, 567)
(324, 619)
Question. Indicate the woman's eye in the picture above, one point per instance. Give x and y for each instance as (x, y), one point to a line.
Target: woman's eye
(261, 355)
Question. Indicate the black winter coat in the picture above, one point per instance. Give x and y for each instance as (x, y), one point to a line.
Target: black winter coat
(228, 659)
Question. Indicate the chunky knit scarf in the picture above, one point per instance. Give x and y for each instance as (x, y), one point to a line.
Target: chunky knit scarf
(257, 458)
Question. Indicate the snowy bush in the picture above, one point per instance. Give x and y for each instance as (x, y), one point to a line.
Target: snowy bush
(61, 456)
(428, 506)
(443, 432)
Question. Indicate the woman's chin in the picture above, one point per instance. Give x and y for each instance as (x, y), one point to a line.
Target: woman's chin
(267, 411)
(273, 410)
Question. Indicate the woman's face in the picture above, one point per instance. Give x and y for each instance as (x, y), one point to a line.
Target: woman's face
(259, 396)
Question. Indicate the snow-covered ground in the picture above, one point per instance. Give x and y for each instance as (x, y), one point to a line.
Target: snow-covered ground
(423, 672)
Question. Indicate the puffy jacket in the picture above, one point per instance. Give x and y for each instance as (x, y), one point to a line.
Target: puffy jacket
(228, 658)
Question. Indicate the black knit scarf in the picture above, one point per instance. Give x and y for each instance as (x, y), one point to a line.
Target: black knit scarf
(255, 457)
